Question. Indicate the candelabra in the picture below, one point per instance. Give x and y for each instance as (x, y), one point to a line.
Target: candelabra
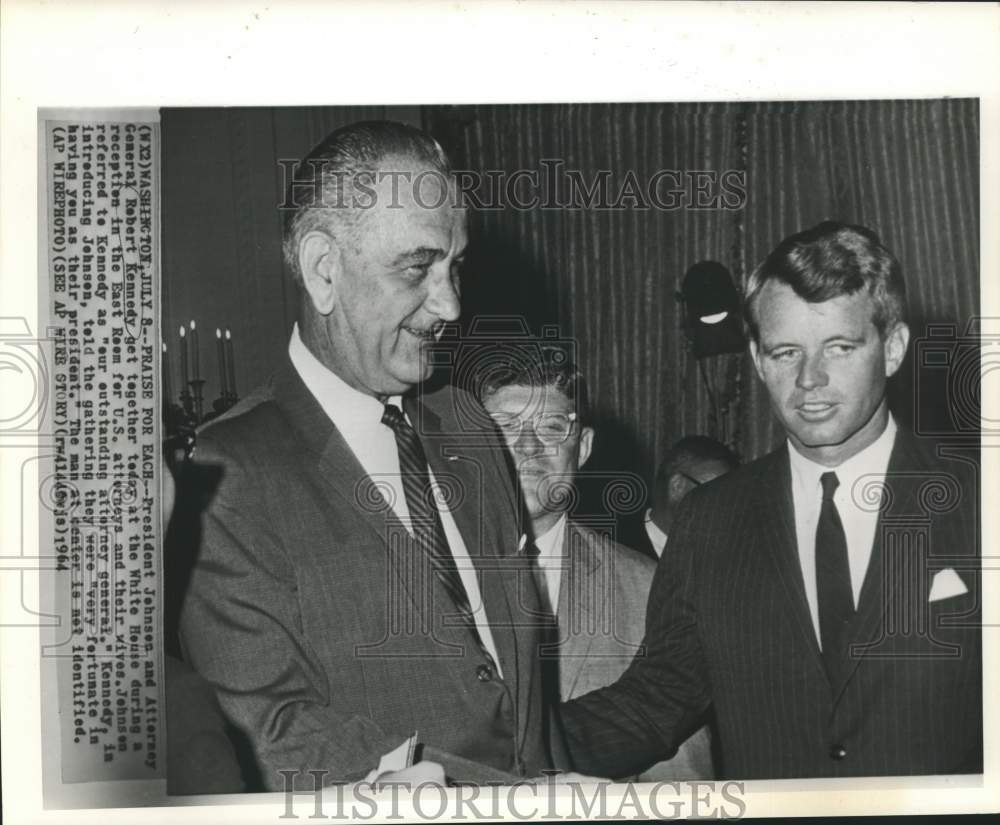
(185, 413)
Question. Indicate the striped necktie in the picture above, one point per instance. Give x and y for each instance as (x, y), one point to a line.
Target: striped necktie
(428, 532)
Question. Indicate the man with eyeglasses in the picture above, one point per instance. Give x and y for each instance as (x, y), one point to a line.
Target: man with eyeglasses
(692, 461)
(595, 589)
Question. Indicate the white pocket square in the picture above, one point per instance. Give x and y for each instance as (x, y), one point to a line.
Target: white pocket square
(946, 583)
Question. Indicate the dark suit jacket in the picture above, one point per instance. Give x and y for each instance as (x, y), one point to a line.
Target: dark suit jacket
(602, 617)
(200, 756)
(728, 622)
(320, 626)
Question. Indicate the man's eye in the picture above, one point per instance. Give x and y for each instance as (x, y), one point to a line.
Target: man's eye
(783, 355)
(418, 272)
(840, 349)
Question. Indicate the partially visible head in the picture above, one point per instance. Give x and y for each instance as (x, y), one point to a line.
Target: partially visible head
(692, 461)
(829, 261)
(538, 398)
(374, 236)
(826, 314)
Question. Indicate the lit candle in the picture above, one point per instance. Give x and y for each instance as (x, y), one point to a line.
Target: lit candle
(168, 390)
(184, 360)
(220, 350)
(195, 366)
(232, 363)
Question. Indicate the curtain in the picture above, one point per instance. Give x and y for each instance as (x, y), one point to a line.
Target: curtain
(606, 279)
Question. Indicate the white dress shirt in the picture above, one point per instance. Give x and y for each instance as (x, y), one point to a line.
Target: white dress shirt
(656, 536)
(857, 497)
(358, 418)
(550, 563)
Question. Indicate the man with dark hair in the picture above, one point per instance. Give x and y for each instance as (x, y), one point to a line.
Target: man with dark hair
(825, 598)
(595, 588)
(358, 583)
(692, 461)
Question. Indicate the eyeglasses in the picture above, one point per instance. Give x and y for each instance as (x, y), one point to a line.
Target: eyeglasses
(549, 428)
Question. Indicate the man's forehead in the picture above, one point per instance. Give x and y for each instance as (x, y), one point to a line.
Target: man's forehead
(707, 469)
(401, 220)
(401, 180)
(528, 398)
(780, 309)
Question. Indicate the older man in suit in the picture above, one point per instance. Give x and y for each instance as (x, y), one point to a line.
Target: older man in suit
(595, 588)
(824, 598)
(358, 582)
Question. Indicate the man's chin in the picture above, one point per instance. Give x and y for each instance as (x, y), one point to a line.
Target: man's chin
(821, 436)
(409, 374)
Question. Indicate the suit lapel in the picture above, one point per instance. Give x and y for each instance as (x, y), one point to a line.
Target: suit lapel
(882, 582)
(775, 512)
(340, 475)
(456, 469)
(337, 468)
(575, 611)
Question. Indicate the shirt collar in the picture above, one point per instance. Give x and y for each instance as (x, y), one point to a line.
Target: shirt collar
(657, 537)
(349, 409)
(872, 460)
(550, 543)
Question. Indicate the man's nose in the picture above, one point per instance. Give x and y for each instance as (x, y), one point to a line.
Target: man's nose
(528, 443)
(442, 298)
(812, 372)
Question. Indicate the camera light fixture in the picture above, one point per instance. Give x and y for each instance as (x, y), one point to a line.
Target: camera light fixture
(711, 310)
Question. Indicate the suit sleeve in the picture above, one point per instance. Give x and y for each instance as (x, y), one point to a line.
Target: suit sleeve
(240, 628)
(622, 729)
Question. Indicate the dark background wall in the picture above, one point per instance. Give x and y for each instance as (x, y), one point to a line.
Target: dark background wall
(605, 278)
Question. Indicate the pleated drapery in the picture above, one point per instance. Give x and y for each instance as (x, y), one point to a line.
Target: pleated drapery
(607, 278)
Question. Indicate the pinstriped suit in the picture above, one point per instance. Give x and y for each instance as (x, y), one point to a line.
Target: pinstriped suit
(728, 623)
(325, 642)
(602, 610)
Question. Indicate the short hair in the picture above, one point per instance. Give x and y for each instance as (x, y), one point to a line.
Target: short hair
(316, 195)
(692, 450)
(830, 260)
(534, 364)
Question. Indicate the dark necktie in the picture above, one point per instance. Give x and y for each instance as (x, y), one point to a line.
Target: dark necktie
(833, 581)
(548, 628)
(428, 532)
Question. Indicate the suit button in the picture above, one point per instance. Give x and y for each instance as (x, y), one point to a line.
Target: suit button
(484, 673)
(838, 752)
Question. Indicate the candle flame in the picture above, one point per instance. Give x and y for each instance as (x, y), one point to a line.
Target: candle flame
(164, 345)
(192, 324)
(228, 336)
(218, 332)
(182, 331)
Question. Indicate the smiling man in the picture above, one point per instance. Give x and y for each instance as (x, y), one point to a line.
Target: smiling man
(825, 598)
(352, 588)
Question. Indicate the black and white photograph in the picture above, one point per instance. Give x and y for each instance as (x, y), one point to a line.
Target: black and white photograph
(591, 274)
(585, 454)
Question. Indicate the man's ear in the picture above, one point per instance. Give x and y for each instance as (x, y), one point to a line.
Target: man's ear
(677, 488)
(320, 263)
(586, 445)
(755, 357)
(894, 346)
